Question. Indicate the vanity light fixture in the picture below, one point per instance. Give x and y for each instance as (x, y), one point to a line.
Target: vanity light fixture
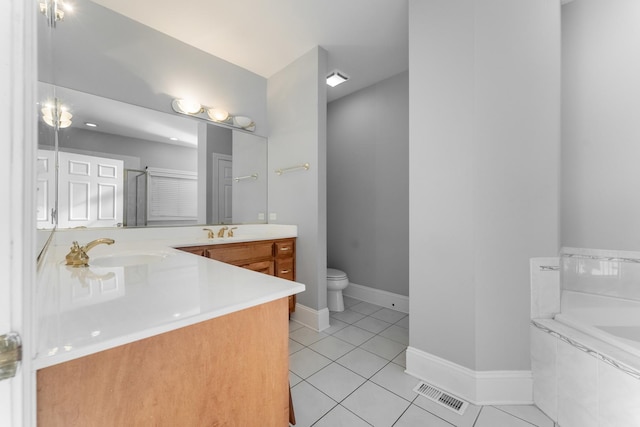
(217, 115)
(56, 115)
(336, 77)
(187, 106)
(54, 10)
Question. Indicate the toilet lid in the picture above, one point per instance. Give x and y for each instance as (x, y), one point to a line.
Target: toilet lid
(333, 273)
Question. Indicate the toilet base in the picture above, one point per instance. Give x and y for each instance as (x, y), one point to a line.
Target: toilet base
(335, 302)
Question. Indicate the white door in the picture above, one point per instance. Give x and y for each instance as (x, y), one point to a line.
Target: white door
(17, 184)
(90, 191)
(222, 189)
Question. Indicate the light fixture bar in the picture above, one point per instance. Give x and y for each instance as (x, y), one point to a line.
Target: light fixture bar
(336, 77)
(216, 115)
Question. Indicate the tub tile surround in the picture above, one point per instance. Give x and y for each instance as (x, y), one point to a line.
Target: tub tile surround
(545, 295)
(578, 379)
(601, 272)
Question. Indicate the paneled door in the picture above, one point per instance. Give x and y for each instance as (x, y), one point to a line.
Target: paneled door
(45, 188)
(222, 188)
(90, 191)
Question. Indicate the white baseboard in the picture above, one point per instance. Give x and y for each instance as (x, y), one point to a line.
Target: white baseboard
(477, 387)
(378, 297)
(315, 319)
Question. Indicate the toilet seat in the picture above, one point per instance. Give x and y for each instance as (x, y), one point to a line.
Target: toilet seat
(335, 274)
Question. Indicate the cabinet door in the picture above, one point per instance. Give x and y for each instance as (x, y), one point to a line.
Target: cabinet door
(196, 250)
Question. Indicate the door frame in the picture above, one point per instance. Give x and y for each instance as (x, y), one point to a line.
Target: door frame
(18, 126)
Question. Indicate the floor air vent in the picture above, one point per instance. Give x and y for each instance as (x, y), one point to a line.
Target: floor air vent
(456, 405)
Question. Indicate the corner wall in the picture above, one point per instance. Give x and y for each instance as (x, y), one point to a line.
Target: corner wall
(484, 154)
(297, 110)
(600, 126)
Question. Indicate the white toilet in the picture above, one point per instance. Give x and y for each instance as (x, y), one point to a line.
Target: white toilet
(336, 281)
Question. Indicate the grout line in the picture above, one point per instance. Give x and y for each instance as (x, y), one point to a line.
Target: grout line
(518, 417)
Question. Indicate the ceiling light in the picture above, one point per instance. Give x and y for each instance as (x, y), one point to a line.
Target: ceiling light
(218, 114)
(336, 77)
(91, 125)
(173, 138)
(188, 106)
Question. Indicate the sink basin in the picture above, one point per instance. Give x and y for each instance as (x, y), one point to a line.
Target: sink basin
(126, 260)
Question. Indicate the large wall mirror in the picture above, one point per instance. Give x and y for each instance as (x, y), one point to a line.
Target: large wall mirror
(123, 165)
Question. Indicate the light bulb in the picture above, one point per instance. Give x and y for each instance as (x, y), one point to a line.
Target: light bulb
(188, 106)
(218, 114)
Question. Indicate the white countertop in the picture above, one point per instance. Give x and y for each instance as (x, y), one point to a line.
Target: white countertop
(81, 311)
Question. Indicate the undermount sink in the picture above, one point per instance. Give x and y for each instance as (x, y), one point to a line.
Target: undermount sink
(126, 260)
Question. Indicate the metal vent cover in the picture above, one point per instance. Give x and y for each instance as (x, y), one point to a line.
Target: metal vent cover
(440, 397)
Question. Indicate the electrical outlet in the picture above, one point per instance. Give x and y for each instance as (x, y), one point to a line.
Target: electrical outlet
(273, 216)
(260, 216)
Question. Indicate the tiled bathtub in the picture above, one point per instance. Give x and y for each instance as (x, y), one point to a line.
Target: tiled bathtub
(584, 375)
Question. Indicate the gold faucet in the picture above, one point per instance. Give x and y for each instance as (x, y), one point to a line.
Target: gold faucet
(77, 256)
(210, 233)
(230, 233)
(222, 230)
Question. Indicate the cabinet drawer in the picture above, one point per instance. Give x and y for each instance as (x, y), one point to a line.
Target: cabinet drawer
(285, 249)
(265, 267)
(285, 269)
(237, 253)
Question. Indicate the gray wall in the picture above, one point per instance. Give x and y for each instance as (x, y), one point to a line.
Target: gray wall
(368, 185)
(150, 153)
(600, 124)
(101, 52)
(297, 120)
(484, 151)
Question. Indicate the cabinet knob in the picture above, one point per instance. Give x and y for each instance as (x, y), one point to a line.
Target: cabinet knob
(284, 271)
(286, 248)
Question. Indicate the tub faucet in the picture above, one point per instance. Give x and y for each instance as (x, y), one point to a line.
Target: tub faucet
(77, 256)
(210, 233)
(222, 230)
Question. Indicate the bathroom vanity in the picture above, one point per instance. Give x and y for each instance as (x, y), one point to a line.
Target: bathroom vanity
(151, 335)
(272, 257)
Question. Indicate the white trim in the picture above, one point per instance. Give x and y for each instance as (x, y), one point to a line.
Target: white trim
(477, 387)
(378, 297)
(314, 319)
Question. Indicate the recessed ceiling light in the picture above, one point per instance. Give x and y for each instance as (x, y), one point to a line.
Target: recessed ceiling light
(91, 125)
(336, 77)
(173, 138)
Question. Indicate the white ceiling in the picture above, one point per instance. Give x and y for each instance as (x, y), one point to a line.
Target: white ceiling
(366, 39)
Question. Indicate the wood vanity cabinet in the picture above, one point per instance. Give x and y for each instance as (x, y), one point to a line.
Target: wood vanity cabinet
(179, 379)
(272, 257)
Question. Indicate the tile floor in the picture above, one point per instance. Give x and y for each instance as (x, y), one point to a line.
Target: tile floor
(352, 375)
